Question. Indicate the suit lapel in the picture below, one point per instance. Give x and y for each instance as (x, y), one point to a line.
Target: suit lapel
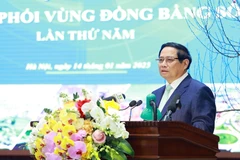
(159, 94)
(179, 90)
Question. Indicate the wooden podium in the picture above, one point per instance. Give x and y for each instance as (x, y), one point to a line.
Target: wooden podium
(157, 140)
(170, 140)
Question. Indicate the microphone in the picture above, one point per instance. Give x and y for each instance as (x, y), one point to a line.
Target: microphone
(151, 111)
(119, 97)
(153, 104)
(138, 103)
(172, 107)
(131, 104)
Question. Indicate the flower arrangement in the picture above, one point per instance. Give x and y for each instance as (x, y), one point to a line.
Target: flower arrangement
(85, 127)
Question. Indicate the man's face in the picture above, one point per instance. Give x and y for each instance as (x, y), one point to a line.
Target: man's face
(169, 66)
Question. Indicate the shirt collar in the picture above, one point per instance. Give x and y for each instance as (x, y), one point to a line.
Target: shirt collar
(175, 83)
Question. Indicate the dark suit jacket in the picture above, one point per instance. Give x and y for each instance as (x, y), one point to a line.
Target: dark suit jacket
(198, 104)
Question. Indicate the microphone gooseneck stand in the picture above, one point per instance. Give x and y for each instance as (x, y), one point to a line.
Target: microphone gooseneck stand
(152, 103)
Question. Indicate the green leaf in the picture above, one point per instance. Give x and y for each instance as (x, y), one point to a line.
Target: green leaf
(28, 132)
(47, 110)
(98, 103)
(87, 115)
(113, 154)
(75, 96)
(100, 106)
(105, 156)
(117, 156)
(125, 147)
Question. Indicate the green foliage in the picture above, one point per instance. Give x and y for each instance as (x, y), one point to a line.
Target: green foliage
(99, 105)
(75, 96)
(125, 147)
(47, 110)
(121, 147)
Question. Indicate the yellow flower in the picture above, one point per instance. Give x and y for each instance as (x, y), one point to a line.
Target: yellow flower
(68, 130)
(58, 139)
(66, 143)
(58, 127)
(78, 123)
(39, 143)
(51, 122)
(88, 126)
(59, 151)
(88, 141)
(46, 129)
(111, 104)
(67, 117)
(69, 104)
(39, 155)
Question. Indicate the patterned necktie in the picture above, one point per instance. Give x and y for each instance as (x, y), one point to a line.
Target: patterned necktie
(165, 97)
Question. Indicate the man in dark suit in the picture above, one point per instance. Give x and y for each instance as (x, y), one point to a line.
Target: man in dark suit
(197, 100)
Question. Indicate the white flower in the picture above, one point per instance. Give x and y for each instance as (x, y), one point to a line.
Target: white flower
(41, 123)
(31, 143)
(122, 131)
(86, 107)
(113, 111)
(109, 123)
(97, 113)
(35, 131)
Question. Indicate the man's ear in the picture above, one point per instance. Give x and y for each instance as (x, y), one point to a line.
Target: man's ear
(186, 63)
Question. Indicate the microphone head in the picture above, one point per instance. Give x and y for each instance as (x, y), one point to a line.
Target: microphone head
(172, 107)
(132, 103)
(174, 103)
(139, 103)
